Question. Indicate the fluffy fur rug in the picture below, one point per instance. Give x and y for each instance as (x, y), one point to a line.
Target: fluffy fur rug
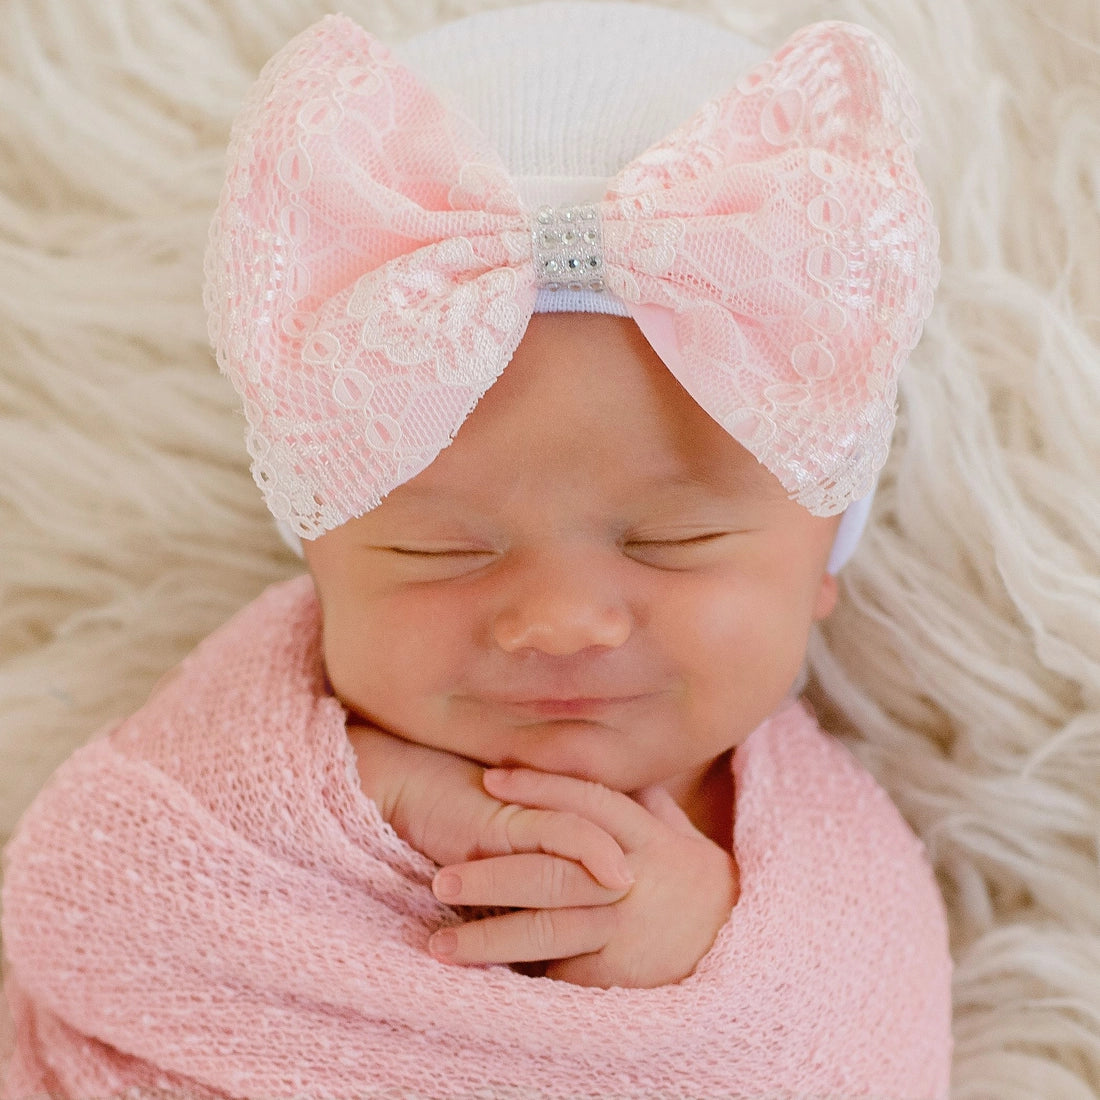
(964, 665)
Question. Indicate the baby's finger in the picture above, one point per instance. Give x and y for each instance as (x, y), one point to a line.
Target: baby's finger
(526, 881)
(665, 808)
(616, 813)
(521, 829)
(530, 935)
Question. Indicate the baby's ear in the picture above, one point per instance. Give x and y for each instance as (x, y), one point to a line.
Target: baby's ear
(826, 597)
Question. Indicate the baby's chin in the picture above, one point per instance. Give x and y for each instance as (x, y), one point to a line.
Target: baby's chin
(625, 752)
(595, 754)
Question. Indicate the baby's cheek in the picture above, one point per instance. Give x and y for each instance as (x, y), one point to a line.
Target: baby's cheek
(343, 664)
(744, 651)
(405, 659)
(357, 659)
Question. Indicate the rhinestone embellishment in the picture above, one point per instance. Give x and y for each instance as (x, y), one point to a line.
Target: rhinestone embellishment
(567, 247)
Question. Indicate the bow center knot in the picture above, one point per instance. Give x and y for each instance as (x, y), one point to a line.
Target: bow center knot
(567, 247)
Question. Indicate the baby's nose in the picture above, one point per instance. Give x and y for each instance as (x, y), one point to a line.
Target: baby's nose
(560, 606)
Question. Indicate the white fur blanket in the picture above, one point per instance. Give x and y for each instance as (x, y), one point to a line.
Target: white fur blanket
(964, 663)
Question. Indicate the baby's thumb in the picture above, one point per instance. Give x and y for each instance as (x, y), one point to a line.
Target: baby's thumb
(664, 807)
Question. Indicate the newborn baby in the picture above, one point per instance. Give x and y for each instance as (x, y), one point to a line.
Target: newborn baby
(512, 794)
(625, 622)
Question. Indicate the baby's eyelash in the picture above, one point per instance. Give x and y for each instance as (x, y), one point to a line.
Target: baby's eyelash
(685, 541)
(418, 552)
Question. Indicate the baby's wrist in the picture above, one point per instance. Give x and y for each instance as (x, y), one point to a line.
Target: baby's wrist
(382, 764)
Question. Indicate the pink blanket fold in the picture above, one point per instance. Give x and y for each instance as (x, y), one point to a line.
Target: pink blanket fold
(203, 903)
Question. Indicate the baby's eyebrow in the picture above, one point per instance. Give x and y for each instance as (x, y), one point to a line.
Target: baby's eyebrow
(752, 484)
(412, 493)
(683, 486)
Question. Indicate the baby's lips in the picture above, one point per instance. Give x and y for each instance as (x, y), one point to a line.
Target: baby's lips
(565, 707)
(563, 702)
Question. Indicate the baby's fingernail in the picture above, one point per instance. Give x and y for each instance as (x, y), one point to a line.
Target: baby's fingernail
(620, 878)
(444, 942)
(446, 885)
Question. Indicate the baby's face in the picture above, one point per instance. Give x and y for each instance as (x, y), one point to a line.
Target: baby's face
(594, 579)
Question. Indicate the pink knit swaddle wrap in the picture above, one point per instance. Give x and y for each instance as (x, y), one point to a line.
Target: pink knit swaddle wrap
(203, 903)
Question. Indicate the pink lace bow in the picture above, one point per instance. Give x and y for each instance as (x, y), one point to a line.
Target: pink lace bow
(371, 269)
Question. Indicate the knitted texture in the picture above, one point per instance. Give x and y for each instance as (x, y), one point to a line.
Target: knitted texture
(371, 268)
(571, 108)
(203, 903)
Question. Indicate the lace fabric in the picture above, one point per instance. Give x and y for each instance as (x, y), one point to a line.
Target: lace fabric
(370, 270)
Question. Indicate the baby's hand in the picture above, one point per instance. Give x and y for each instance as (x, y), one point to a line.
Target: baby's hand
(653, 935)
(437, 803)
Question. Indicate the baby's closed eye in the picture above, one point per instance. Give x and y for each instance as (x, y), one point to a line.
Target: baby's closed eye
(437, 560)
(678, 549)
(436, 551)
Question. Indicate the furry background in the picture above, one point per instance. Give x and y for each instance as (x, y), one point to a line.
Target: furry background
(964, 664)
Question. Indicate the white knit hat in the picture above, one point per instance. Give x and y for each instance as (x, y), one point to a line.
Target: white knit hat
(568, 92)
